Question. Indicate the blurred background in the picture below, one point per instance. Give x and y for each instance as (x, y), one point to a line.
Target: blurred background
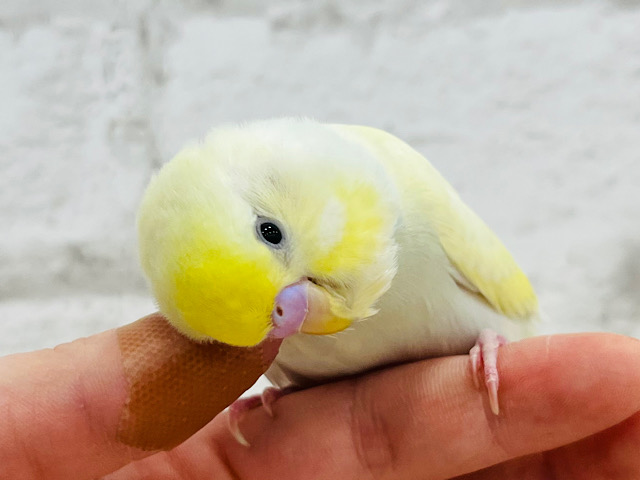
(530, 108)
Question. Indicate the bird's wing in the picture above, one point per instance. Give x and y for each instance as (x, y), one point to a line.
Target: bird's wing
(480, 262)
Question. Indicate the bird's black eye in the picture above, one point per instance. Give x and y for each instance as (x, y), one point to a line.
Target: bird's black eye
(270, 232)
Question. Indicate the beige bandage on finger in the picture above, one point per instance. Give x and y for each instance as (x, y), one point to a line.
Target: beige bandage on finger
(177, 385)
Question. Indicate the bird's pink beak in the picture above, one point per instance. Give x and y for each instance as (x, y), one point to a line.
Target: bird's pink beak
(304, 307)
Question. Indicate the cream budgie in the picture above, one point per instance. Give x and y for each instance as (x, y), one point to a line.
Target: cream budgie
(341, 239)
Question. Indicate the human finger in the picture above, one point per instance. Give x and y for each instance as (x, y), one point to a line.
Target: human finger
(425, 420)
(610, 454)
(88, 407)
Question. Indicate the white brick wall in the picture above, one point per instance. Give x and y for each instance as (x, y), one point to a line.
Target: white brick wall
(532, 111)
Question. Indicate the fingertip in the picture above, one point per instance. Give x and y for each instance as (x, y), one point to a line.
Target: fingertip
(573, 369)
(72, 396)
(103, 401)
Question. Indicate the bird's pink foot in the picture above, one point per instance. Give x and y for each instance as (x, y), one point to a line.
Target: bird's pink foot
(485, 352)
(239, 408)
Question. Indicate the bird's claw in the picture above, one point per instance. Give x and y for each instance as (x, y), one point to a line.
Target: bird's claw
(240, 407)
(485, 352)
(492, 388)
(237, 411)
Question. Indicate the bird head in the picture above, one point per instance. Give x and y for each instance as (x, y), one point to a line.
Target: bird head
(270, 228)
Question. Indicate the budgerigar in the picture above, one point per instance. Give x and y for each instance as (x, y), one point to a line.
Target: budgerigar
(343, 239)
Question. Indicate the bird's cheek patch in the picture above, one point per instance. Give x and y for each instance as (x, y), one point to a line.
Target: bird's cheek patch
(176, 386)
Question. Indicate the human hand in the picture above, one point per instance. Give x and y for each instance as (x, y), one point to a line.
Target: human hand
(569, 409)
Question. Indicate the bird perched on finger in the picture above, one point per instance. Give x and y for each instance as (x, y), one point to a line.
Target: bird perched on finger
(342, 240)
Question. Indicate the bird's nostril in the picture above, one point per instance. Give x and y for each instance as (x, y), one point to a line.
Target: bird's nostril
(279, 311)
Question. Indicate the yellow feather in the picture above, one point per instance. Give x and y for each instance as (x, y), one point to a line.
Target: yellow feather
(478, 257)
(211, 278)
(362, 234)
(216, 290)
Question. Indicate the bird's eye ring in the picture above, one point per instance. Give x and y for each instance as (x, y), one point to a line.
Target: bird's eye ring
(269, 232)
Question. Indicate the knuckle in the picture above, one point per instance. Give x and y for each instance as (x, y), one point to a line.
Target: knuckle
(373, 446)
